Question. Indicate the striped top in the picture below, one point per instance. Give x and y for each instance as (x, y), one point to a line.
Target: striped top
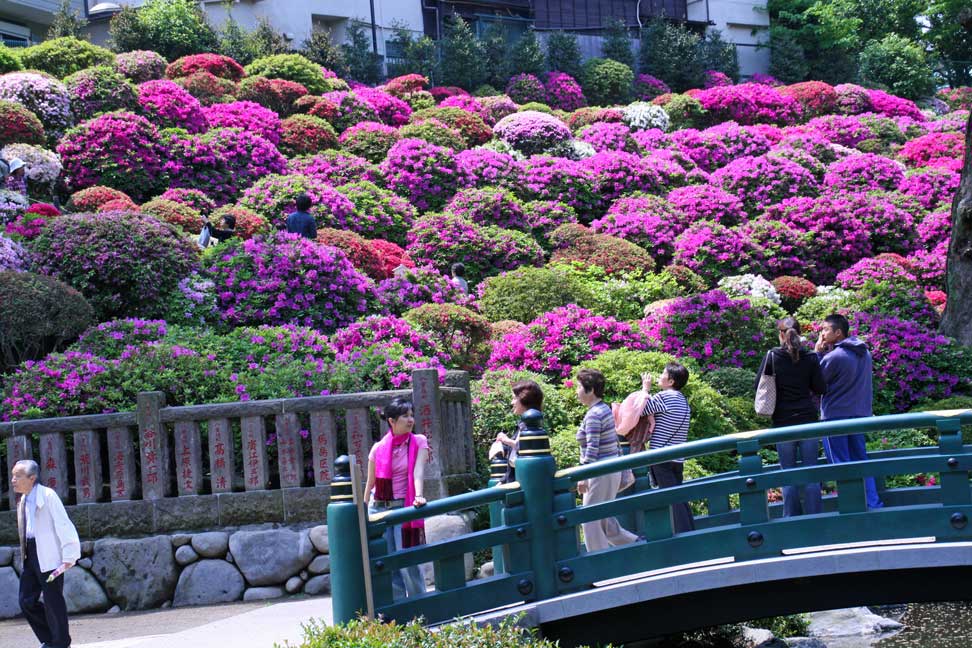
(597, 435)
(672, 416)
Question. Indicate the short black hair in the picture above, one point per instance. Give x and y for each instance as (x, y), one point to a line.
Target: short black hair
(529, 393)
(592, 380)
(839, 322)
(458, 269)
(399, 406)
(230, 220)
(678, 373)
(303, 202)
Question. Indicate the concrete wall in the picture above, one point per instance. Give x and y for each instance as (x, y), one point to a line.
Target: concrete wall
(35, 15)
(737, 20)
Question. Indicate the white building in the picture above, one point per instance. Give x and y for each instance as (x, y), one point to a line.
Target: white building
(743, 22)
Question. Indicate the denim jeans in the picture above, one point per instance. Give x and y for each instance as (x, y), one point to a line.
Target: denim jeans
(408, 581)
(809, 450)
(852, 447)
(666, 475)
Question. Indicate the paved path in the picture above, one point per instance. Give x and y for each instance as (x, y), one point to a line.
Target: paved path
(236, 625)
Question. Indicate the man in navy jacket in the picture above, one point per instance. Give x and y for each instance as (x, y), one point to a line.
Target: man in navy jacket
(848, 370)
(301, 222)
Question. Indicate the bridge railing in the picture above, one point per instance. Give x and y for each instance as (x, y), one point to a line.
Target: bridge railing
(535, 530)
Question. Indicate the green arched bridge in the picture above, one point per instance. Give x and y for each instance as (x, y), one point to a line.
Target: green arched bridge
(743, 561)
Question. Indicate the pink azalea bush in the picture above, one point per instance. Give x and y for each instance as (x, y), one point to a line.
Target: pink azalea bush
(140, 66)
(738, 140)
(934, 229)
(389, 108)
(864, 172)
(892, 106)
(562, 339)
(423, 173)
(749, 103)
(934, 149)
(288, 279)
(524, 88)
(714, 329)
(714, 251)
(853, 99)
(648, 87)
(563, 92)
(250, 116)
(12, 255)
(169, 105)
(764, 180)
(709, 203)
(876, 269)
(42, 95)
(531, 131)
(614, 173)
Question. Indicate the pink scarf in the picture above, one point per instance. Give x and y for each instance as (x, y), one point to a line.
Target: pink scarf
(413, 533)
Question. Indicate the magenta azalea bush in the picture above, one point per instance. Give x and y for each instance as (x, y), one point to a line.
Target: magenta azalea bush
(651, 222)
(864, 172)
(524, 88)
(423, 173)
(98, 90)
(247, 115)
(482, 167)
(608, 136)
(932, 187)
(763, 181)
(169, 105)
(377, 329)
(545, 177)
(563, 92)
(749, 103)
(273, 198)
(876, 269)
(119, 150)
(413, 287)
(489, 207)
(707, 203)
(715, 251)
(562, 339)
(336, 168)
(288, 279)
(531, 131)
(714, 329)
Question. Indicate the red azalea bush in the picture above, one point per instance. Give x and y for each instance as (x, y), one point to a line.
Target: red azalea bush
(815, 97)
(90, 199)
(169, 105)
(591, 115)
(192, 198)
(440, 93)
(19, 125)
(391, 256)
(957, 98)
(793, 291)
(208, 88)
(121, 150)
(278, 95)
(306, 135)
(216, 64)
(358, 250)
(402, 85)
(119, 205)
(178, 214)
(573, 242)
(248, 222)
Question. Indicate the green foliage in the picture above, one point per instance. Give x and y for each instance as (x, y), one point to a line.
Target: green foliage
(418, 54)
(525, 56)
(606, 82)
(684, 112)
(787, 58)
(898, 64)
(362, 61)
(673, 54)
(232, 38)
(622, 295)
(617, 42)
(462, 60)
(67, 22)
(564, 448)
(731, 381)
(265, 40)
(457, 331)
(526, 293)
(320, 49)
(63, 56)
(39, 315)
(950, 40)
(563, 53)
(377, 634)
(496, 53)
(292, 67)
(493, 413)
(9, 60)
(817, 308)
(792, 625)
(434, 131)
(173, 28)
(719, 54)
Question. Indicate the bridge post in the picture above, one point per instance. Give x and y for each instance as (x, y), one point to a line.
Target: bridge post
(954, 482)
(349, 598)
(535, 468)
(497, 471)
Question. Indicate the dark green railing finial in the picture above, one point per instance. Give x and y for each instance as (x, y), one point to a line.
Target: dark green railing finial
(534, 441)
(497, 468)
(341, 485)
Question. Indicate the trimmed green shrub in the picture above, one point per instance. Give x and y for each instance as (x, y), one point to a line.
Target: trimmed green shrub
(63, 56)
(39, 315)
(292, 67)
(526, 293)
(899, 64)
(684, 112)
(9, 60)
(492, 413)
(732, 381)
(622, 295)
(606, 82)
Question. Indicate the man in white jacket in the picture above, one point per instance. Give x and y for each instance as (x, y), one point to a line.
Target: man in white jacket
(49, 546)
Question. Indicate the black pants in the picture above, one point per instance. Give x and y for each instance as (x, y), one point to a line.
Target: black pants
(666, 475)
(48, 620)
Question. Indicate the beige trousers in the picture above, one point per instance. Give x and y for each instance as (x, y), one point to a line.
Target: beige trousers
(601, 534)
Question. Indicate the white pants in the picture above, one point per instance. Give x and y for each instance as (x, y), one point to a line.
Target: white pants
(601, 534)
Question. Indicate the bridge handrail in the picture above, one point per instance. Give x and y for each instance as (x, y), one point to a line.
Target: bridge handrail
(764, 437)
(445, 505)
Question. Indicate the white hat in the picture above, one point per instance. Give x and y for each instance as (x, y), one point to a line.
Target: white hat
(15, 164)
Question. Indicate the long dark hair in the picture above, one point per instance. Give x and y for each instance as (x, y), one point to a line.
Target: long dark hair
(790, 328)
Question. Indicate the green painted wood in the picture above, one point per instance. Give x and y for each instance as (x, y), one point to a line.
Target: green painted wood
(659, 523)
(347, 576)
(477, 595)
(851, 496)
(565, 537)
(953, 479)
(450, 573)
(516, 556)
(445, 505)
(468, 543)
(752, 499)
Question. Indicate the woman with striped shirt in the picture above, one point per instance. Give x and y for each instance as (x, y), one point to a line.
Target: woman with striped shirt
(672, 415)
(598, 440)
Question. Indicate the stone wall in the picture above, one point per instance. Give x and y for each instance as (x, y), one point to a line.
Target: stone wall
(249, 564)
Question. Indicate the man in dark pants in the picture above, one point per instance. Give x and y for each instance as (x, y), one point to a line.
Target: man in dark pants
(301, 221)
(49, 546)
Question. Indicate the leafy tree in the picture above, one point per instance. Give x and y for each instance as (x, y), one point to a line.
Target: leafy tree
(363, 63)
(67, 22)
(787, 58)
(418, 54)
(563, 53)
(265, 40)
(898, 64)
(322, 50)
(673, 54)
(719, 54)
(233, 40)
(496, 50)
(526, 57)
(951, 43)
(462, 60)
(173, 28)
(617, 42)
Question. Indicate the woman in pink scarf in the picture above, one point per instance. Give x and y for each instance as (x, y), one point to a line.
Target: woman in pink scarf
(396, 478)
